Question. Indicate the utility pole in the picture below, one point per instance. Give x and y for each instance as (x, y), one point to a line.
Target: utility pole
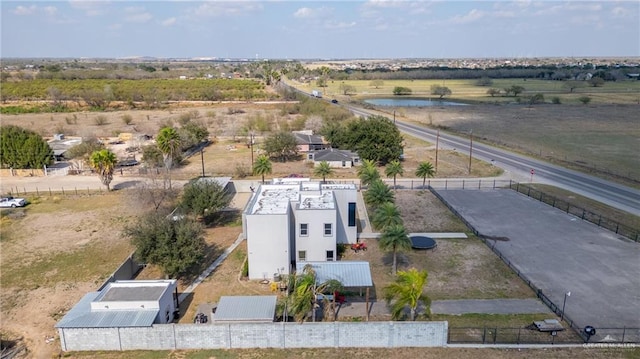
(394, 117)
(470, 149)
(202, 159)
(251, 146)
(437, 141)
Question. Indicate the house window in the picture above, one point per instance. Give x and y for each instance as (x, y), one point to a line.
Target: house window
(304, 229)
(344, 163)
(330, 256)
(302, 256)
(356, 160)
(328, 229)
(352, 214)
(310, 156)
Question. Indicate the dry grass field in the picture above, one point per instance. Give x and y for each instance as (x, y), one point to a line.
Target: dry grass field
(58, 248)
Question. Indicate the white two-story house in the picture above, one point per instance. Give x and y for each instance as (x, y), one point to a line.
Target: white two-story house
(294, 219)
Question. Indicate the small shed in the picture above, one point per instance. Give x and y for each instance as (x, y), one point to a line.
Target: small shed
(246, 309)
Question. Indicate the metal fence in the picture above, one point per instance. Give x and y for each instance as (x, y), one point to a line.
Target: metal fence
(17, 191)
(582, 213)
(497, 335)
(472, 183)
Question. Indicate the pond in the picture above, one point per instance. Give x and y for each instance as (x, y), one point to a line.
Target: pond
(410, 102)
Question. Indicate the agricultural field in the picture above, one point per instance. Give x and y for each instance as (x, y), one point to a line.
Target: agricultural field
(620, 92)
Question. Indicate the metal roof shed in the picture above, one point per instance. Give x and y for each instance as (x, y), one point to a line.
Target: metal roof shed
(349, 273)
(246, 309)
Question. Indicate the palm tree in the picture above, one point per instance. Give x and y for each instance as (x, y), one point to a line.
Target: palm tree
(323, 170)
(378, 193)
(386, 215)
(424, 170)
(168, 142)
(262, 166)
(303, 298)
(368, 172)
(394, 238)
(407, 291)
(104, 162)
(394, 168)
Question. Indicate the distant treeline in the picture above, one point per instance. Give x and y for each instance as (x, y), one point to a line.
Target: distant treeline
(98, 93)
(548, 73)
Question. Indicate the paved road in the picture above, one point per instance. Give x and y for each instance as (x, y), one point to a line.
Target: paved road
(610, 193)
(613, 194)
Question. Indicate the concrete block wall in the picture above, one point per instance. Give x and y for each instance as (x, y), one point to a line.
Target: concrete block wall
(258, 335)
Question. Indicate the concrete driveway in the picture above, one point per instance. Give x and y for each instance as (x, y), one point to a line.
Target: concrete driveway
(560, 253)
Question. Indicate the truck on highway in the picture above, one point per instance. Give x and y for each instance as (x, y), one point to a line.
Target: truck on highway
(316, 93)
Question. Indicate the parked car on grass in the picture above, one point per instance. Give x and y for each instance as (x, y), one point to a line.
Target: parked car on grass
(12, 202)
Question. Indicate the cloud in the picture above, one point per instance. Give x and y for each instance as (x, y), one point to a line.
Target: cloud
(90, 7)
(339, 24)
(50, 10)
(306, 12)
(386, 3)
(139, 18)
(471, 16)
(226, 8)
(168, 22)
(25, 10)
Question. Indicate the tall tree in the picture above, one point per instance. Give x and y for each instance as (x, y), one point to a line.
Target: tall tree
(424, 170)
(368, 172)
(104, 162)
(176, 246)
(169, 143)
(376, 138)
(22, 148)
(204, 198)
(262, 166)
(394, 238)
(323, 169)
(387, 214)
(281, 145)
(394, 168)
(378, 193)
(440, 91)
(407, 291)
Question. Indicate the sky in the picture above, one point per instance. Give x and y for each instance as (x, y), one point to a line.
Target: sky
(285, 29)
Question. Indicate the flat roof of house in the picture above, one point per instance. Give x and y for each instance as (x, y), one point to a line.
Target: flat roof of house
(255, 308)
(134, 290)
(81, 316)
(349, 273)
(127, 294)
(323, 201)
(275, 198)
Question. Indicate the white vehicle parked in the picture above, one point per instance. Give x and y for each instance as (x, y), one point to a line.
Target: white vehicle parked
(12, 202)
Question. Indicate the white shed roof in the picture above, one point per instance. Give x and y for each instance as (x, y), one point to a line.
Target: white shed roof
(246, 309)
(349, 273)
(81, 316)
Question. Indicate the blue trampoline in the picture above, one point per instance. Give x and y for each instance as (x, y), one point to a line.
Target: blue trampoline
(422, 242)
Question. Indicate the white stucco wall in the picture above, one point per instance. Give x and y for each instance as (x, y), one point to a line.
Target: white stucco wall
(316, 244)
(345, 234)
(268, 244)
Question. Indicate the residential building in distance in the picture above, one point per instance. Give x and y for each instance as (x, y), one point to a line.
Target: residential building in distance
(335, 157)
(295, 219)
(308, 142)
